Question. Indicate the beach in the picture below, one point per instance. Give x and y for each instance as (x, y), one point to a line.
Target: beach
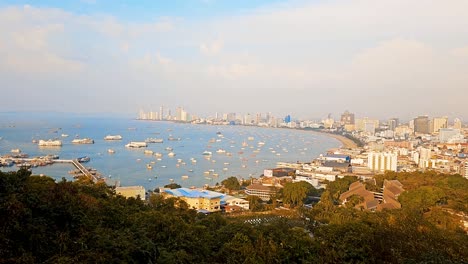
(346, 142)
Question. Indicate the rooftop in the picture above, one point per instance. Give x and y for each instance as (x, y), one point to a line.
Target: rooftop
(193, 193)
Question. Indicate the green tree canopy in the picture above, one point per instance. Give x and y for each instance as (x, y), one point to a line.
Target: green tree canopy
(231, 183)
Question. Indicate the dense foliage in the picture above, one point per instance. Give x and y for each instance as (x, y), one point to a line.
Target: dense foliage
(82, 222)
(231, 183)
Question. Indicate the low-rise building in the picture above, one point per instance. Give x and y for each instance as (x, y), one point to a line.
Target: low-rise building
(131, 191)
(197, 199)
(261, 191)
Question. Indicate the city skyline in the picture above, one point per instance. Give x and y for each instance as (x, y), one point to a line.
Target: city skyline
(304, 58)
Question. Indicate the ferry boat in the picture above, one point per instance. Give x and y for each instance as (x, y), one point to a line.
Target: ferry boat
(83, 159)
(136, 144)
(83, 141)
(50, 143)
(113, 137)
(154, 140)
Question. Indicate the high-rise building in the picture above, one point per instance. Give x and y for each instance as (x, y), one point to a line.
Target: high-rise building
(179, 113)
(287, 119)
(382, 161)
(421, 125)
(438, 123)
(347, 118)
(161, 112)
(360, 124)
(457, 124)
(449, 134)
(393, 123)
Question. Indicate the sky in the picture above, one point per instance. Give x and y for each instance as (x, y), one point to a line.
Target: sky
(378, 59)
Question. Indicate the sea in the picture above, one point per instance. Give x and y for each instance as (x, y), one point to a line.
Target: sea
(247, 150)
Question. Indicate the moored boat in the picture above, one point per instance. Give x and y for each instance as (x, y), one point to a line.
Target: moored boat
(113, 137)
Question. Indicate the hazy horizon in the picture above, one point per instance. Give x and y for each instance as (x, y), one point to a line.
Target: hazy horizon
(377, 59)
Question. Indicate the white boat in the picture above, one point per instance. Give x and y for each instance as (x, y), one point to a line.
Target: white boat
(50, 143)
(207, 153)
(111, 151)
(136, 144)
(113, 137)
(64, 135)
(148, 152)
(83, 141)
(250, 138)
(171, 154)
(168, 149)
(184, 177)
(154, 140)
(149, 167)
(16, 151)
(221, 151)
(157, 154)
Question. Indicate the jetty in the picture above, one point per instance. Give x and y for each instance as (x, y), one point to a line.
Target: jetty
(83, 170)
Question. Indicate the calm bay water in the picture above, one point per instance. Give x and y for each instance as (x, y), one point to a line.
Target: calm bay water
(129, 166)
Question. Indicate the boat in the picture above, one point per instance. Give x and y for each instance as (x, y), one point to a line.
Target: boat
(250, 138)
(136, 144)
(173, 139)
(111, 151)
(184, 177)
(64, 135)
(148, 152)
(83, 159)
(83, 141)
(221, 151)
(207, 153)
(157, 154)
(168, 149)
(113, 137)
(171, 154)
(149, 167)
(154, 140)
(16, 151)
(49, 143)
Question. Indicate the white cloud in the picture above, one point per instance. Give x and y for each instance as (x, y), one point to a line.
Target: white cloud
(379, 56)
(212, 48)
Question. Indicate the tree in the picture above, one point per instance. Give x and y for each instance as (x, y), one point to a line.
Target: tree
(231, 183)
(294, 193)
(172, 186)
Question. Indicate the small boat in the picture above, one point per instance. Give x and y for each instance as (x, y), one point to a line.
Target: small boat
(149, 167)
(113, 137)
(221, 151)
(184, 177)
(148, 152)
(154, 140)
(16, 151)
(168, 149)
(83, 141)
(171, 154)
(207, 153)
(83, 159)
(64, 135)
(111, 151)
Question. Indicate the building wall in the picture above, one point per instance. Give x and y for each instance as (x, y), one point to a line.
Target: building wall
(382, 161)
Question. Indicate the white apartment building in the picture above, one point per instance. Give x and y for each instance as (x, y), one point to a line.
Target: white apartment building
(382, 161)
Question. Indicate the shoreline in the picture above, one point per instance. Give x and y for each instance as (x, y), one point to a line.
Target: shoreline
(346, 143)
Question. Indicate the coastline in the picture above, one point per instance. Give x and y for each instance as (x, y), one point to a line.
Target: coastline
(346, 142)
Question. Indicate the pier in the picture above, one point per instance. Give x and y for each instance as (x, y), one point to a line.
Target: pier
(74, 162)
